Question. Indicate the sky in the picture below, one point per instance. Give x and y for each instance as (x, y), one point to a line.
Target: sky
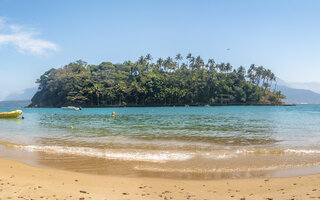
(37, 35)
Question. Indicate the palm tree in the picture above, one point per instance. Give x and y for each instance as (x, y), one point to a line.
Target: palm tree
(272, 78)
(127, 62)
(159, 63)
(183, 66)
(210, 64)
(280, 95)
(222, 67)
(259, 74)
(275, 86)
(188, 57)
(134, 69)
(199, 62)
(192, 61)
(168, 63)
(228, 67)
(266, 78)
(141, 60)
(178, 58)
(241, 71)
(251, 73)
(148, 57)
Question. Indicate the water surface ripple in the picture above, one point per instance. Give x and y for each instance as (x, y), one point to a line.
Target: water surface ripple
(205, 142)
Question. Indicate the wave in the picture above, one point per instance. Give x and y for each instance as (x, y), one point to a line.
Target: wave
(155, 156)
(133, 155)
(260, 151)
(223, 169)
(161, 155)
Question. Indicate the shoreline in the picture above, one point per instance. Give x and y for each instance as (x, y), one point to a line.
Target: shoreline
(153, 106)
(21, 181)
(125, 168)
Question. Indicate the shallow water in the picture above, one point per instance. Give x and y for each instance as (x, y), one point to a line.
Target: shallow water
(187, 142)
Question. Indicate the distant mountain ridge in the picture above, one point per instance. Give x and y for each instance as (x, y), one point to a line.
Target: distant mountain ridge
(300, 93)
(313, 86)
(25, 94)
(299, 96)
(19, 104)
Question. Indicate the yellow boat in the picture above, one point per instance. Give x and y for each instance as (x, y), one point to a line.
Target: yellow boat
(11, 114)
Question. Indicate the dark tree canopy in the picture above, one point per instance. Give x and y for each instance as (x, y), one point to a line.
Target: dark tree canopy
(166, 81)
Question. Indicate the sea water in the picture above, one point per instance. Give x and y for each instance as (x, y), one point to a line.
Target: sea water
(186, 142)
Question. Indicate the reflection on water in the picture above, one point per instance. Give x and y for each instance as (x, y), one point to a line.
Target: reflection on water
(194, 142)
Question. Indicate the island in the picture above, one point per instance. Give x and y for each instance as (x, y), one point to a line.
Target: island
(177, 81)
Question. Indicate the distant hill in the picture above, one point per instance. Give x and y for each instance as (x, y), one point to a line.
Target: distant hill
(299, 96)
(22, 103)
(25, 94)
(313, 86)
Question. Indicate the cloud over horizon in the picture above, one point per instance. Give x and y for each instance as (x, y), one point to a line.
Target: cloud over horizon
(25, 40)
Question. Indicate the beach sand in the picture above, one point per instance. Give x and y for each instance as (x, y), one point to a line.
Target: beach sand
(20, 181)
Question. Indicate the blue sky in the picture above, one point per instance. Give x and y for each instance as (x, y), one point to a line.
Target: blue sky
(37, 35)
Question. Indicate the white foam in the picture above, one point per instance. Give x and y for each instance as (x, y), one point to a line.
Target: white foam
(302, 151)
(159, 155)
(153, 156)
(276, 151)
(218, 156)
(222, 169)
(208, 170)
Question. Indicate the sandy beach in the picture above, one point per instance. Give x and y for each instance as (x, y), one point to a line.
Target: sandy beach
(20, 181)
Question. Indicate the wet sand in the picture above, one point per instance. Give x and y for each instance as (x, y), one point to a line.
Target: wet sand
(20, 181)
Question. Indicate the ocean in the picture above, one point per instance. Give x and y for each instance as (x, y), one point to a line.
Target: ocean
(170, 142)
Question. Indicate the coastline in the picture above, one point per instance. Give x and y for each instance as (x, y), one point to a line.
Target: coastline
(156, 105)
(20, 181)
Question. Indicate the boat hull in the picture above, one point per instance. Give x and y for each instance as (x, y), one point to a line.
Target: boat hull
(71, 108)
(11, 114)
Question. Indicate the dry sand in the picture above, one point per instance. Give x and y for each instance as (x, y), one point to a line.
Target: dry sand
(20, 181)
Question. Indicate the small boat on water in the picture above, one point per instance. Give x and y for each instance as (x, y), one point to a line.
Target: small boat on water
(11, 114)
(71, 108)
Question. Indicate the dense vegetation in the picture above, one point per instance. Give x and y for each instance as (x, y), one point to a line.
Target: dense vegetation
(169, 81)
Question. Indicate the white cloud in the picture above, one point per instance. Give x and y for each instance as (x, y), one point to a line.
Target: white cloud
(23, 39)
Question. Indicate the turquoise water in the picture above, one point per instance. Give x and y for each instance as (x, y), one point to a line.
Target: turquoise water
(170, 139)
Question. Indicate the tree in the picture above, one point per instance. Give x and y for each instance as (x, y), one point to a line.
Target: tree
(168, 63)
(178, 59)
(159, 63)
(143, 82)
(211, 64)
(188, 57)
(228, 67)
(148, 57)
(142, 61)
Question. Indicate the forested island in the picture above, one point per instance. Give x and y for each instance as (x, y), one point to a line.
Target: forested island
(166, 82)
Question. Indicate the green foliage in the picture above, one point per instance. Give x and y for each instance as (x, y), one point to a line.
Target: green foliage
(164, 82)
